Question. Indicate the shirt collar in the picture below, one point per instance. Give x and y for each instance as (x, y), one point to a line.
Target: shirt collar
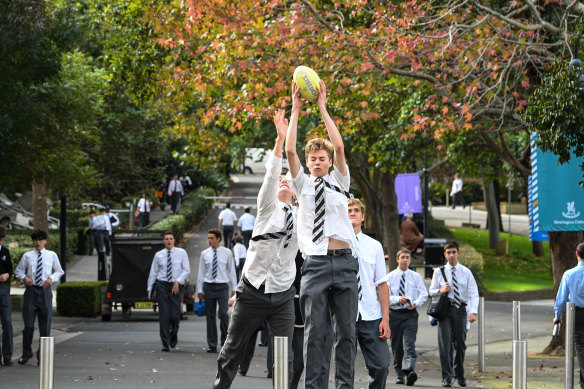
(313, 178)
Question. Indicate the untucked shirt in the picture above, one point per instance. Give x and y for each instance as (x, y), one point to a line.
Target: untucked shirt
(372, 273)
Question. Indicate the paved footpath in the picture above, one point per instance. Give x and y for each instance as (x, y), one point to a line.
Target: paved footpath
(127, 353)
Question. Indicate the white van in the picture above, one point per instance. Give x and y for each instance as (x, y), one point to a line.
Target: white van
(255, 161)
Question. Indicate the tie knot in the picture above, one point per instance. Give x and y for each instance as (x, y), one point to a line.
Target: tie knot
(319, 180)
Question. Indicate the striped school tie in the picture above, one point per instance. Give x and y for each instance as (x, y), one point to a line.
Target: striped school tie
(38, 279)
(457, 300)
(359, 286)
(277, 235)
(318, 229)
(214, 271)
(169, 268)
(402, 287)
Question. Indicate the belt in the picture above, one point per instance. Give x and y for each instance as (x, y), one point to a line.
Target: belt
(402, 310)
(452, 302)
(37, 287)
(338, 252)
(164, 282)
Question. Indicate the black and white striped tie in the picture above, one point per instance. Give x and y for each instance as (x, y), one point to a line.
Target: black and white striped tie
(168, 268)
(455, 288)
(402, 287)
(336, 188)
(277, 235)
(38, 279)
(214, 271)
(318, 229)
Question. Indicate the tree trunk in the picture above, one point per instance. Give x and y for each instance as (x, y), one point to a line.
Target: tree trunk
(39, 206)
(492, 215)
(391, 236)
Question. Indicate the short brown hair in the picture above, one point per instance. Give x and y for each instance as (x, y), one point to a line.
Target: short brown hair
(168, 232)
(403, 251)
(2, 231)
(358, 203)
(215, 232)
(238, 239)
(319, 144)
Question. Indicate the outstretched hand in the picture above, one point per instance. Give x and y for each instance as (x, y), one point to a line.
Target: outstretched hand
(297, 102)
(281, 124)
(321, 102)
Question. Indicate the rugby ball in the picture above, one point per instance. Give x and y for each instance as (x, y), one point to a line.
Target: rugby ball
(308, 82)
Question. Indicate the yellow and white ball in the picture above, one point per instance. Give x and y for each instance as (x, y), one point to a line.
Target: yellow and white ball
(308, 82)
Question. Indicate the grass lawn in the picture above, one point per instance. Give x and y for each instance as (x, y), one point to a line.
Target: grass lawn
(520, 270)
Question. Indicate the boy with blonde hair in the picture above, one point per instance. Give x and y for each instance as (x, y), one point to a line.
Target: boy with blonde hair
(327, 241)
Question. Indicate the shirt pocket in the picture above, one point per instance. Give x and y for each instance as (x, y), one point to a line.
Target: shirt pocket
(308, 194)
(335, 200)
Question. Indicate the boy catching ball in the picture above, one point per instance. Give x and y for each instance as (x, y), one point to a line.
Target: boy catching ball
(327, 241)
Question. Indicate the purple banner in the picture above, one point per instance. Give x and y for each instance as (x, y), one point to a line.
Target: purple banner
(409, 193)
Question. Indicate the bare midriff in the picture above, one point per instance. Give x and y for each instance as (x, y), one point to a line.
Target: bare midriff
(337, 244)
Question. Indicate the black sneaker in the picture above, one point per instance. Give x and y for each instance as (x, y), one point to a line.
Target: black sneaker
(462, 382)
(212, 350)
(447, 384)
(412, 378)
(400, 381)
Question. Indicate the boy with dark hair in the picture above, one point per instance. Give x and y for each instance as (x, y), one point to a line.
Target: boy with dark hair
(38, 269)
(464, 301)
(6, 271)
(216, 271)
(327, 240)
(170, 269)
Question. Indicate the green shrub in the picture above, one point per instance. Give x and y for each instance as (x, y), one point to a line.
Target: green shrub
(79, 298)
(175, 223)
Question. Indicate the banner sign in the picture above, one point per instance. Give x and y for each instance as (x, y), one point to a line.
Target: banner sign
(533, 208)
(558, 199)
(409, 193)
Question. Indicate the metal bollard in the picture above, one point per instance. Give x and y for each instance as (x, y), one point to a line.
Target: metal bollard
(280, 362)
(516, 320)
(570, 315)
(481, 320)
(46, 362)
(519, 364)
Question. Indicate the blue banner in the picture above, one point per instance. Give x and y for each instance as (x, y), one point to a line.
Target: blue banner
(558, 202)
(409, 193)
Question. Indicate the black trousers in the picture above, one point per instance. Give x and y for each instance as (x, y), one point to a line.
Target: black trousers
(168, 312)
(38, 302)
(228, 236)
(6, 320)
(246, 235)
(250, 350)
(216, 295)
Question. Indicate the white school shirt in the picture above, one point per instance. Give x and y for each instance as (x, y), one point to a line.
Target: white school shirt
(239, 251)
(268, 260)
(456, 186)
(336, 220)
(144, 205)
(246, 222)
(372, 273)
(101, 222)
(467, 286)
(228, 217)
(28, 266)
(180, 266)
(414, 288)
(225, 268)
(175, 186)
(117, 219)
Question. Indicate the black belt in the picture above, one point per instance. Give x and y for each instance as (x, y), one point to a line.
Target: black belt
(402, 310)
(37, 287)
(452, 302)
(338, 252)
(164, 282)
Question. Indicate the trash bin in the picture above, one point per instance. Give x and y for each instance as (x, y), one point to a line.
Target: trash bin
(433, 255)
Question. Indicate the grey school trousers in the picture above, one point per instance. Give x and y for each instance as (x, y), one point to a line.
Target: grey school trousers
(251, 308)
(329, 286)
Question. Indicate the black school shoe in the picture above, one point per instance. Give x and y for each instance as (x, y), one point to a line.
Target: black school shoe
(400, 381)
(412, 378)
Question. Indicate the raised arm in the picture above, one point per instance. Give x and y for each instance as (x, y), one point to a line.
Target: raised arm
(333, 131)
(281, 124)
(291, 154)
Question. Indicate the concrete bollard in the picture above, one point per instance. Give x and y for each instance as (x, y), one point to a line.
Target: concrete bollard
(570, 316)
(46, 362)
(280, 362)
(519, 364)
(481, 320)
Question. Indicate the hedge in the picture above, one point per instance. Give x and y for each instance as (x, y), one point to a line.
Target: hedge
(79, 298)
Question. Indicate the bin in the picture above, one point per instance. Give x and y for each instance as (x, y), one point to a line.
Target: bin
(433, 255)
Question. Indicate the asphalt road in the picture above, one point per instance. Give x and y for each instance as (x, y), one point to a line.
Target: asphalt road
(127, 353)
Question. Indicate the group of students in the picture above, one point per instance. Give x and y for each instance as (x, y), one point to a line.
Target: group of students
(344, 294)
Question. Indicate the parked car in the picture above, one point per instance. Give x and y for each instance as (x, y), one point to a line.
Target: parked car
(255, 161)
(13, 215)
